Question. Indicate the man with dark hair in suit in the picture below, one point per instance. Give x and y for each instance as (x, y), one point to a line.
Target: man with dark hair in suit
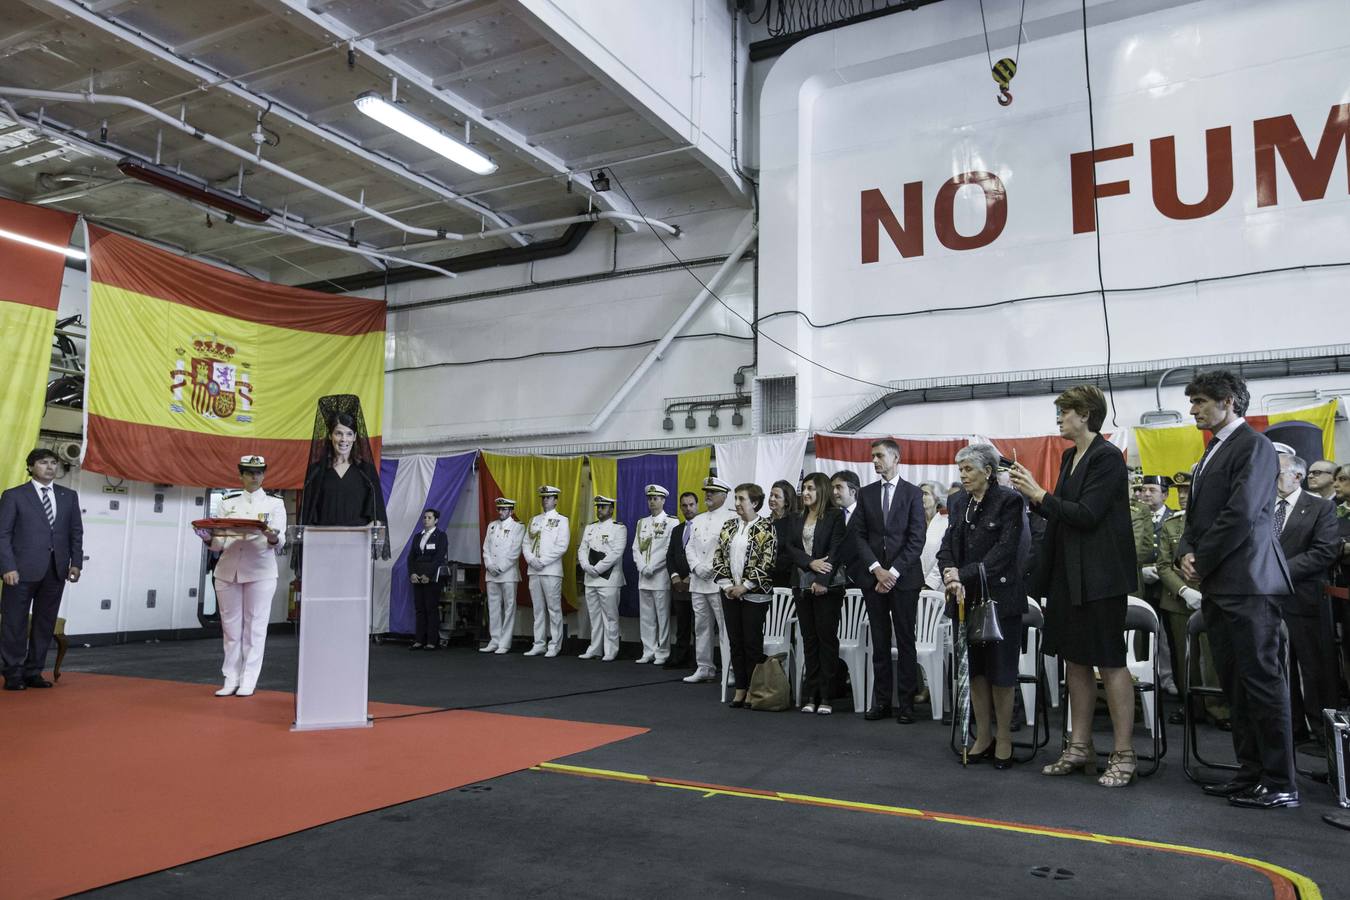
(41, 548)
(1229, 546)
(1306, 527)
(887, 533)
(681, 605)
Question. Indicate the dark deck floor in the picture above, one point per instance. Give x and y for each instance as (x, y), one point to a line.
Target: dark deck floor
(548, 833)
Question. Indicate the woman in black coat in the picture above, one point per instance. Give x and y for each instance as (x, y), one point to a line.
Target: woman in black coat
(814, 544)
(1086, 571)
(426, 558)
(987, 526)
(785, 514)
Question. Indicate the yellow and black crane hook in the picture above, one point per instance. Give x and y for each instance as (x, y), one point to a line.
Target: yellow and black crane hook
(1003, 73)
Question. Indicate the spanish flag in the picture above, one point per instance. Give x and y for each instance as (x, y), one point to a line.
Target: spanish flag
(191, 367)
(29, 293)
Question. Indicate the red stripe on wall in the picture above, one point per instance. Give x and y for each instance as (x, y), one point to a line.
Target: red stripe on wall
(154, 454)
(913, 451)
(31, 275)
(134, 266)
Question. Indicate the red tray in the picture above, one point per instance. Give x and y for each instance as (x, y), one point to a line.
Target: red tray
(218, 524)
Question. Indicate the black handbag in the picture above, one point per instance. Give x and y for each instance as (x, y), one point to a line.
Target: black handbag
(982, 621)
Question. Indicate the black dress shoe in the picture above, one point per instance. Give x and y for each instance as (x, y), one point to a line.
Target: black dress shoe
(13, 684)
(1261, 797)
(905, 717)
(1001, 763)
(877, 713)
(36, 681)
(1227, 788)
(1223, 724)
(1176, 717)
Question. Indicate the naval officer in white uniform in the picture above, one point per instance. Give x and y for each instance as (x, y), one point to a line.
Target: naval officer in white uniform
(501, 560)
(600, 556)
(546, 540)
(704, 531)
(246, 576)
(650, 545)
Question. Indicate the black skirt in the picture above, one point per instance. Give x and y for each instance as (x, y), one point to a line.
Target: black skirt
(1092, 634)
(998, 661)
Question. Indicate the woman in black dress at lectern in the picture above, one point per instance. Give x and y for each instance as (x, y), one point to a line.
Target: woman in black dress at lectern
(342, 486)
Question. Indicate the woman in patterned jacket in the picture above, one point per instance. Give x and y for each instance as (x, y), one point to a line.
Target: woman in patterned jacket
(741, 566)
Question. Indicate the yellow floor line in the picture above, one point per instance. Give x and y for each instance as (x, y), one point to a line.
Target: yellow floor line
(1306, 888)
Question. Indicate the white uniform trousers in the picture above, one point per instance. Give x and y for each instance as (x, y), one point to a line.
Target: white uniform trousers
(602, 608)
(546, 597)
(244, 610)
(707, 616)
(501, 613)
(654, 622)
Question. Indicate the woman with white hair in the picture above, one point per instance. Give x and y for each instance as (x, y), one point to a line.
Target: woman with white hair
(934, 513)
(982, 557)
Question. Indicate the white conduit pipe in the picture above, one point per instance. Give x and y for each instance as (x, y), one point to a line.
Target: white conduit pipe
(258, 160)
(600, 418)
(368, 253)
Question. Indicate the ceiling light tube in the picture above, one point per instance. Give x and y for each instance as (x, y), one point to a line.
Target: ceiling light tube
(389, 115)
(43, 245)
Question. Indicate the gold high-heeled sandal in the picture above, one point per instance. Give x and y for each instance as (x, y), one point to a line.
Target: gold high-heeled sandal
(1121, 768)
(1075, 758)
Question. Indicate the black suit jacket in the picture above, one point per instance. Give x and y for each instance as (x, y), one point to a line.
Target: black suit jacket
(28, 542)
(428, 561)
(1000, 538)
(893, 544)
(1310, 541)
(1228, 520)
(1087, 527)
(676, 561)
(829, 537)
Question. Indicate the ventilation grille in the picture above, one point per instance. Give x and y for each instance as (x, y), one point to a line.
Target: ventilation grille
(776, 404)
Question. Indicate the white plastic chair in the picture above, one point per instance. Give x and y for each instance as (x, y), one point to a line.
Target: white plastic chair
(779, 627)
(1142, 670)
(930, 645)
(1026, 666)
(852, 634)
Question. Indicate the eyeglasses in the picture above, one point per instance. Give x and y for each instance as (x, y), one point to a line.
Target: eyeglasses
(1312, 472)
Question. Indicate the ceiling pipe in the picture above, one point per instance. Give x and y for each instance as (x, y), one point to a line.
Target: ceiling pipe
(183, 126)
(600, 418)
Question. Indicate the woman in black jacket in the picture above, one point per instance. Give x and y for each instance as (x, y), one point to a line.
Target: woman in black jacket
(982, 556)
(815, 541)
(1086, 570)
(785, 514)
(426, 560)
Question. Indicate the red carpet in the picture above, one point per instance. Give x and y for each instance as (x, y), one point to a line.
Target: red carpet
(118, 777)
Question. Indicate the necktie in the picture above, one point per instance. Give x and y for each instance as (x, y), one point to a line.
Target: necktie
(848, 514)
(1209, 448)
(885, 500)
(684, 535)
(1281, 510)
(47, 506)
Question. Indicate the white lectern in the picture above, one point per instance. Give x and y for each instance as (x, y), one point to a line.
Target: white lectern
(333, 679)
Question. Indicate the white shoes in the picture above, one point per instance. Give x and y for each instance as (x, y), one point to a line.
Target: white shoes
(702, 676)
(536, 650)
(646, 658)
(809, 708)
(229, 688)
(500, 650)
(659, 661)
(609, 658)
(552, 652)
(824, 710)
(488, 648)
(244, 692)
(590, 654)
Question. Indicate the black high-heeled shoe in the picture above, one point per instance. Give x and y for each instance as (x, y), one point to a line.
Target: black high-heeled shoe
(985, 754)
(1002, 763)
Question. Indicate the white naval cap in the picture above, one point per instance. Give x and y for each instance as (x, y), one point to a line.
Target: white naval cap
(655, 490)
(713, 483)
(252, 461)
(1284, 448)
(503, 503)
(601, 499)
(548, 490)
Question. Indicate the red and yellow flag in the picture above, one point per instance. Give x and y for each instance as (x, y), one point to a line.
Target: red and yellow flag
(192, 367)
(30, 290)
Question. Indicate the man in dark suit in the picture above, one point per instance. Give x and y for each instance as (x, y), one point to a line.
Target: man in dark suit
(677, 565)
(427, 556)
(1310, 539)
(887, 532)
(41, 548)
(1229, 546)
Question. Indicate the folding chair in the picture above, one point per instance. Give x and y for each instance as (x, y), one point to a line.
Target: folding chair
(1032, 682)
(1193, 704)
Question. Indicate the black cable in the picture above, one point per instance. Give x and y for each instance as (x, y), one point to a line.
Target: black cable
(1012, 301)
(495, 359)
(754, 328)
(604, 690)
(1096, 219)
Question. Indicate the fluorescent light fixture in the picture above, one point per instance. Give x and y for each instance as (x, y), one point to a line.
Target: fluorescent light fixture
(34, 242)
(389, 115)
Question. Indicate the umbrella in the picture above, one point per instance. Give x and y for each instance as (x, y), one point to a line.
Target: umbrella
(961, 708)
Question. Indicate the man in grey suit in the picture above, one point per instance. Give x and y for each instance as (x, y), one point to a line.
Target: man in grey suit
(1310, 539)
(1229, 546)
(41, 548)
